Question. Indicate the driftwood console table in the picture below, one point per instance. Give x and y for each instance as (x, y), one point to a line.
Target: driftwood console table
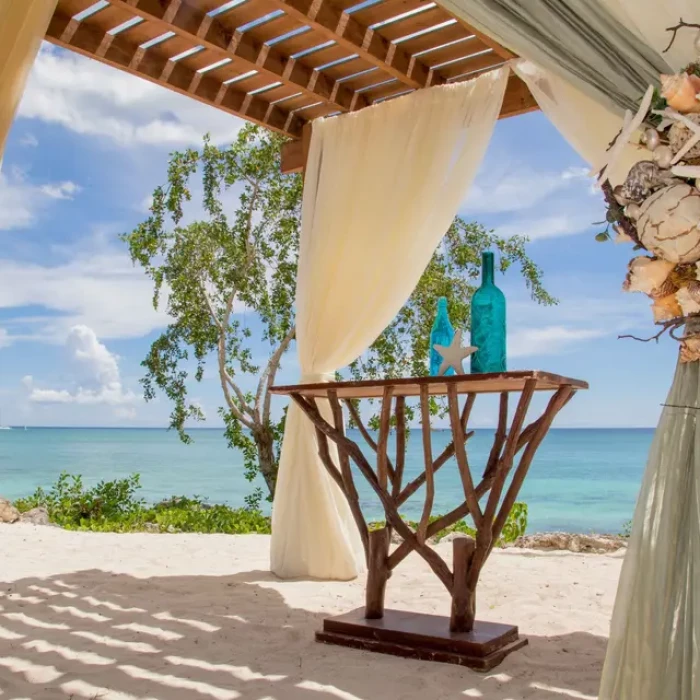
(460, 639)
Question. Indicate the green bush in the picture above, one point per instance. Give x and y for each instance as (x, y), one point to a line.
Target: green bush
(113, 506)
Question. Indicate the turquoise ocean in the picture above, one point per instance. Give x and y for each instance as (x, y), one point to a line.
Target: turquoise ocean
(581, 480)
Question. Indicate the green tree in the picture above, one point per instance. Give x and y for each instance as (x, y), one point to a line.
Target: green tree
(207, 271)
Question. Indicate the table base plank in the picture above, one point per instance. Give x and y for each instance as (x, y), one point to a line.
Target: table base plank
(426, 637)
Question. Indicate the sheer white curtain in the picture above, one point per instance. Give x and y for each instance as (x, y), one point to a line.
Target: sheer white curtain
(382, 186)
(587, 125)
(23, 25)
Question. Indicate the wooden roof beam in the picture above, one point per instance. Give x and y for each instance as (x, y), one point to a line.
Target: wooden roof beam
(517, 100)
(331, 21)
(189, 21)
(119, 52)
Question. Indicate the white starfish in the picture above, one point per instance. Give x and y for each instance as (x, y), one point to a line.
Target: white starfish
(693, 139)
(454, 354)
(629, 126)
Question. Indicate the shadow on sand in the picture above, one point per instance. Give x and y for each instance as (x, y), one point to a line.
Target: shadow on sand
(94, 634)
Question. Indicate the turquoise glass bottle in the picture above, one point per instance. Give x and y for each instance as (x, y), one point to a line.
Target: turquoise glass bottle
(488, 332)
(441, 334)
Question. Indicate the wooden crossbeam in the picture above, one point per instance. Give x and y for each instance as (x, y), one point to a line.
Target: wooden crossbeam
(331, 21)
(119, 52)
(188, 20)
(517, 100)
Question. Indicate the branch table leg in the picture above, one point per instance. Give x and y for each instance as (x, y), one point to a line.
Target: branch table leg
(377, 574)
(463, 596)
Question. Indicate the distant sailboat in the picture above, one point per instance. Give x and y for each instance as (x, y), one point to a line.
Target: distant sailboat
(4, 427)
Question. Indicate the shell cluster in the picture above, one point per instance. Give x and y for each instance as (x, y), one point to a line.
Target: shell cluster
(658, 206)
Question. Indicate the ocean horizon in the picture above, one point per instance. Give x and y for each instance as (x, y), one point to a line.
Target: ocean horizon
(581, 480)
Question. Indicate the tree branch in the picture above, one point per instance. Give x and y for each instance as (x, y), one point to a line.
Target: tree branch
(268, 377)
(210, 307)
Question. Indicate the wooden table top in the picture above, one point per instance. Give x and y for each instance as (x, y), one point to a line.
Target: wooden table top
(437, 386)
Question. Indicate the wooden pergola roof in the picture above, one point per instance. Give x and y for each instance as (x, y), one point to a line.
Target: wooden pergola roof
(283, 63)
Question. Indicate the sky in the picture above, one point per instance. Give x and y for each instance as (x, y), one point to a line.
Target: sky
(90, 144)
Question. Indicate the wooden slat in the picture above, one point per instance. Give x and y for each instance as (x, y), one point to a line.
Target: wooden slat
(435, 38)
(500, 50)
(471, 64)
(214, 34)
(384, 11)
(461, 49)
(437, 386)
(328, 19)
(121, 53)
(414, 23)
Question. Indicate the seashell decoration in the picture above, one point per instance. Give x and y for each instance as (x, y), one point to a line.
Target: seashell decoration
(666, 309)
(644, 178)
(680, 92)
(646, 274)
(679, 134)
(689, 299)
(669, 223)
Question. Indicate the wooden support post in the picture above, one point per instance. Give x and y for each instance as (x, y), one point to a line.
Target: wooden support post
(463, 596)
(378, 573)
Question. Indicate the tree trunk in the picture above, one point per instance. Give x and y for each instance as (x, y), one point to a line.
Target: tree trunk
(265, 443)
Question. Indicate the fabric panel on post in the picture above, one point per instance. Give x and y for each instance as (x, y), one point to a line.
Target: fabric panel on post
(382, 186)
(580, 40)
(23, 25)
(654, 647)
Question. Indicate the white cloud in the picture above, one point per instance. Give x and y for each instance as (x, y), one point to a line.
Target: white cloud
(551, 340)
(549, 226)
(21, 200)
(98, 378)
(517, 188)
(91, 98)
(61, 190)
(28, 381)
(29, 140)
(96, 288)
(5, 339)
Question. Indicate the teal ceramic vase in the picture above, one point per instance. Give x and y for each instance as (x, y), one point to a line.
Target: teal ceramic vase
(488, 324)
(441, 334)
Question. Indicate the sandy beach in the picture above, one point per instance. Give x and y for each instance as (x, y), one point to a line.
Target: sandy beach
(120, 617)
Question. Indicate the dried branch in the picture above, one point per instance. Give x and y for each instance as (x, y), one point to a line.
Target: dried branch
(667, 327)
(681, 25)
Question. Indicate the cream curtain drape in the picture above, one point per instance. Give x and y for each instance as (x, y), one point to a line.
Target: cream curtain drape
(382, 186)
(587, 125)
(23, 25)
(654, 647)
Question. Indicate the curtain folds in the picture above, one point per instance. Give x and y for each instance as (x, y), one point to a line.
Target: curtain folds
(654, 647)
(587, 125)
(581, 41)
(382, 186)
(23, 24)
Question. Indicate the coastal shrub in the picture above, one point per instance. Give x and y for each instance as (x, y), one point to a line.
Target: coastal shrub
(113, 506)
(70, 504)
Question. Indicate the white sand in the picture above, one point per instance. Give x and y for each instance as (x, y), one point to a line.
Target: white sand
(119, 617)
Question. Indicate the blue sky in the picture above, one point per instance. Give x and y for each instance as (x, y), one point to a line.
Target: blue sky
(90, 144)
